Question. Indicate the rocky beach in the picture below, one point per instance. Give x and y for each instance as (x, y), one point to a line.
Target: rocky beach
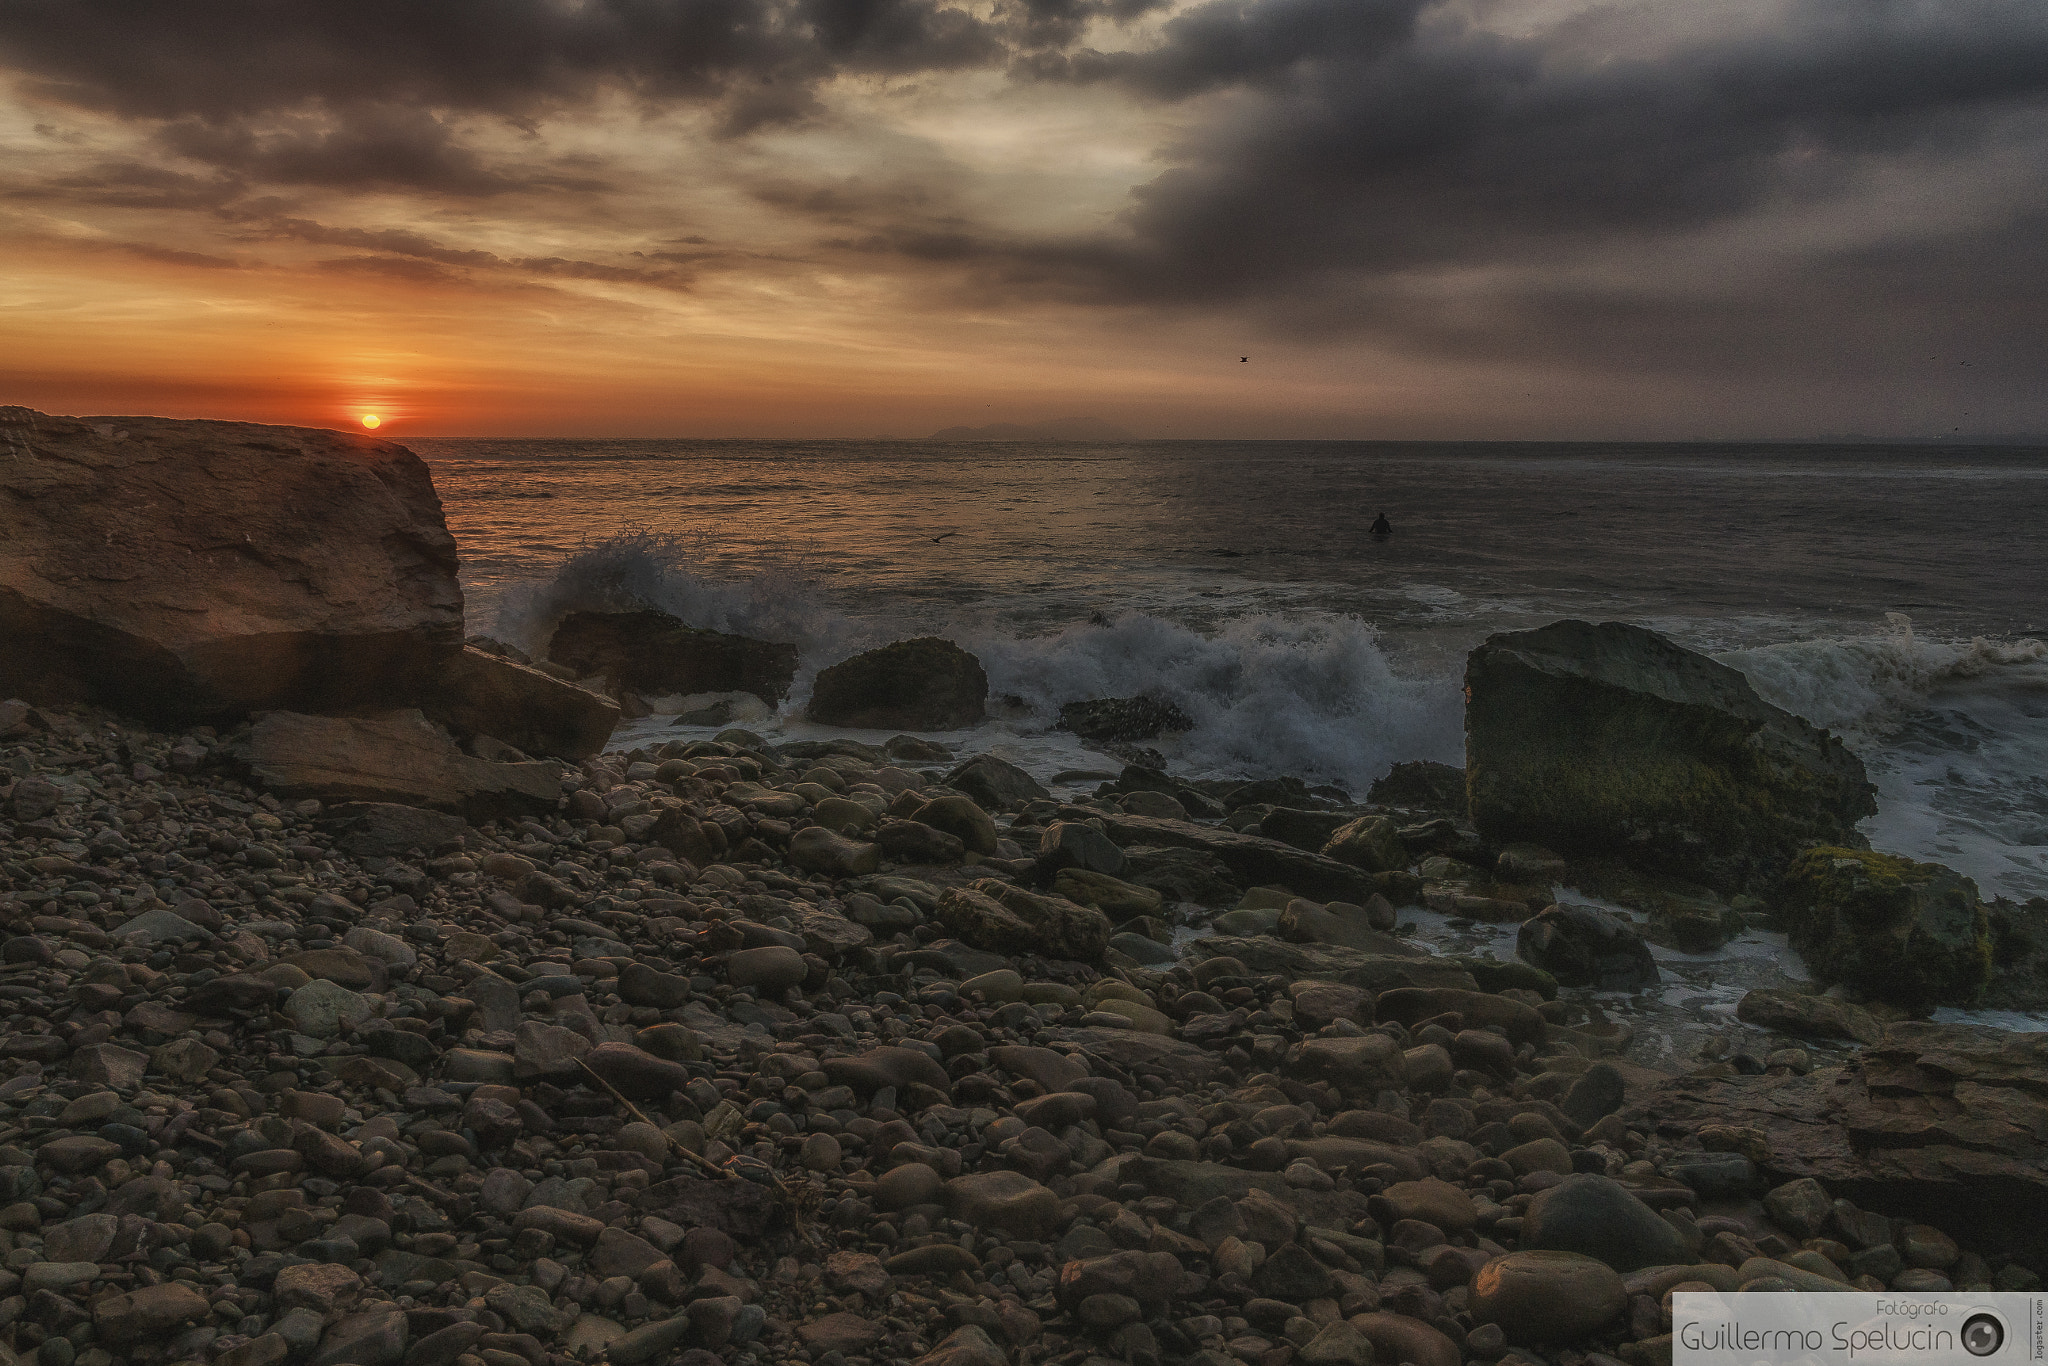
(366, 1003)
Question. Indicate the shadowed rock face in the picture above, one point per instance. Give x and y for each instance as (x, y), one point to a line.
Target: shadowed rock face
(1612, 741)
(185, 570)
(921, 684)
(655, 654)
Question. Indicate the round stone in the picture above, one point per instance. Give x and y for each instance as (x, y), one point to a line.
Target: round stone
(774, 967)
(1597, 1217)
(1544, 1297)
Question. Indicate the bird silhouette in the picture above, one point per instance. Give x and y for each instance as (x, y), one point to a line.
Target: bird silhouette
(1243, 358)
(936, 539)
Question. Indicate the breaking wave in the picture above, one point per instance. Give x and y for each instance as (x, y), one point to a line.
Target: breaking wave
(1312, 696)
(1865, 687)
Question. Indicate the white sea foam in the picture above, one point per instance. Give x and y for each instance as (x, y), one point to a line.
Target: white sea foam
(1865, 687)
(1955, 735)
(1315, 697)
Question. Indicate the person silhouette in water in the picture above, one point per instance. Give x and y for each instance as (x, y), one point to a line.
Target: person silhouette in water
(1381, 526)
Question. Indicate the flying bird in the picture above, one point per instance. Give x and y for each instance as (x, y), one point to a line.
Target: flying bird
(936, 539)
(1243, 358)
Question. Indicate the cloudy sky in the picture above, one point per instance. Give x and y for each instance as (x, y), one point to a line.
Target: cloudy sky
(1458, 218)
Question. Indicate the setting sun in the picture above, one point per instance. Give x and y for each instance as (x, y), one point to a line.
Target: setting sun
(372, 420)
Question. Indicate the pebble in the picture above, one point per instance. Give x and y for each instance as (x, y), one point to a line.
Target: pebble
(989, 1154)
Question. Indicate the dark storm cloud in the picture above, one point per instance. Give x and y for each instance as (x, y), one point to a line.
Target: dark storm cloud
(1370, 145)
(372, 93)
(228, 61)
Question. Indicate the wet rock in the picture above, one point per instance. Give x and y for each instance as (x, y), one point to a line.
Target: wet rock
(1250, 858)
(1337, 1344)
(1007, 919)
(819, 850)
(1123, 719)
(1119, 900)
(1810, 1017)
(1912, 934)
(478, 693)
(1334, 963)
(1802, 1208)
(1430, 1201)
(962, 819)
(921, 684)
(1612, 740)
(908, 841)
(637, 1074)
(1598, 1217)
(1399, 1338)
(653, 654)
(1599, 1091)
(389, 829)
(1352, 926)
(1007, 1201)
(1583, 946)
(885, 1067)
(641, 985)
(774, 967)
(1371, 843)
(995, 784)
(398, 757)
(1546, 1297)
(1071, 844)
(1411, 1006)
(1368, 1063)
(322, 1009)
(148, 1312)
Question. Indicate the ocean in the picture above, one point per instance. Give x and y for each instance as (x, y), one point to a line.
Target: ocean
(1894, 594)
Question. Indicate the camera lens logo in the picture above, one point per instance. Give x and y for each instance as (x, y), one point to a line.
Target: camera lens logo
(1983, 1334)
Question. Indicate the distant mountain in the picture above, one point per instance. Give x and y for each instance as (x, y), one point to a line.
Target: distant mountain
(1066, 429)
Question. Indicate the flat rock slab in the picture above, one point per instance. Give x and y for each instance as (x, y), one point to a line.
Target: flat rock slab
(396, 757)
(1937, 1123)
(1333, 963)
(1256, 860)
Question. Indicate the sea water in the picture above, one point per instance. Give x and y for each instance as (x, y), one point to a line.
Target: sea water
(1894, 594)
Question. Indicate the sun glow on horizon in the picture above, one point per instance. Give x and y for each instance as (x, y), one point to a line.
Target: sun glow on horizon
(372, 420)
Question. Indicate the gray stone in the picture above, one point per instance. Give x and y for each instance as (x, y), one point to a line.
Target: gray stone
(1597, 1217)
(322, 1009)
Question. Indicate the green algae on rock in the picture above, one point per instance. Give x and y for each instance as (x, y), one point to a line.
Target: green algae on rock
(1912, 934)
(1613, 741)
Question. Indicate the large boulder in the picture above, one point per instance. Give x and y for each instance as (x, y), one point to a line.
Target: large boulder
(1007, 919)
(184, 569)
(1912, 934)
(398, 757)
(921, 684)
(653, 654)
(1612, 740)
(1942, 1124)
(478, 693)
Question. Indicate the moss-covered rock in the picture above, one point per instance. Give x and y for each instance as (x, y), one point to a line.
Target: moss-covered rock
(1612, 741)
(1911, 934)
